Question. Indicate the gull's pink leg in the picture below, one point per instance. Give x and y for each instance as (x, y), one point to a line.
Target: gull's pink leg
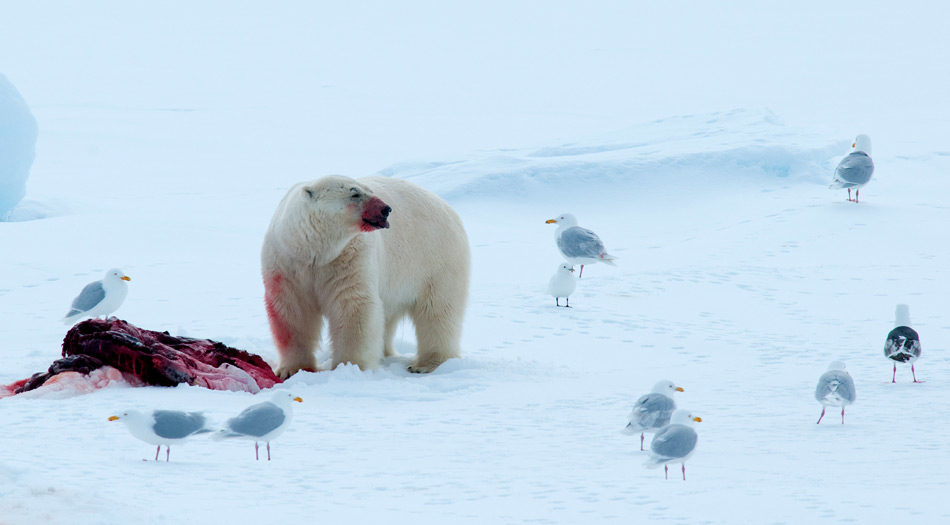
(268, 451)
(641, 441)
(856, 193)
(915, 374)
(582, 272)
(842, 415)
(849, 194)
(894, 378)
(157, 450)
(821, 416)
(666, 474)
(168, 453)
(684, 471)
(256, 456)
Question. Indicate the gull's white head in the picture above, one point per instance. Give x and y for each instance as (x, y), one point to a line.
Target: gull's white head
(127, 415)
(565, 267)
(903, 315)
(135, 420)
(684, 417)
(862, 143)
(285, 398)
(837, 365)
(564, 220)
(115, 275)
(666, 387)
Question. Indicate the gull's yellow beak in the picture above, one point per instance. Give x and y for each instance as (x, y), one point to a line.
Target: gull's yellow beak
(114, 418)
(550, 221)
(125, 278)
(698, 419)
(854, 144)
(680, 389)
(298, 399)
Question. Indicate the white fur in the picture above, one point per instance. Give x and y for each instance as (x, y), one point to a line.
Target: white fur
(364, 283)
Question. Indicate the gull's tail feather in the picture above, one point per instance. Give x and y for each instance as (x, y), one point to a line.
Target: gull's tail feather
(629, 429)
(655, 461)
(223, 434)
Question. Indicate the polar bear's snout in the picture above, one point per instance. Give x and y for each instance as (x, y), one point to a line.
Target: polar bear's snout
(375, 214)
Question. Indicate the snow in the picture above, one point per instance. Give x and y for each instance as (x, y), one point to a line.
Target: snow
(697, 141)
(663, 155)
(17, 142)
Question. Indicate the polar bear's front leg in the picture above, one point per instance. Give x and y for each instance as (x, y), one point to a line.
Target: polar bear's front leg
(295, 324)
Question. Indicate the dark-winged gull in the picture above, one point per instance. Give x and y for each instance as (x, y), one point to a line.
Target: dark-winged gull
(562, 284)
(903, 343)
(652, 411)
(261, 422)
(162, 427)
(835, 388)
(855, 170)
(579, 245)
(674, 443)
(100, 297)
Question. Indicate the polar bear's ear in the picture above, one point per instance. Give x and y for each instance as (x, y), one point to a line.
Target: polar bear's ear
(308, 191)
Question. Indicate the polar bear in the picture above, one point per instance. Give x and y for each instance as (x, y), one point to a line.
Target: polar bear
(332, 250)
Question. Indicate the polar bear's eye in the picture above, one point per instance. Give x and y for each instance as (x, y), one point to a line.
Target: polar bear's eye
(354, 193)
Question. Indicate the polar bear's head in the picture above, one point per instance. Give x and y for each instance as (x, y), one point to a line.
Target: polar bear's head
(348, 199)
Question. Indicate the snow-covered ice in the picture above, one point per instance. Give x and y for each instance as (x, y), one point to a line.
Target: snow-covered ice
(165, 152)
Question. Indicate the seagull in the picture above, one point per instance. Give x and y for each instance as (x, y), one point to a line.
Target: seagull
(674, 443)
(903, 343)
(562, 284)
(579, 245)
(99, 297)
(835, 388)
(652, 411)
(854, 171)
(162, 427)
(261, 422)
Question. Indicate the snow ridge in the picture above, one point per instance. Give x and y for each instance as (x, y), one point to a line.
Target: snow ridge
(708, 149)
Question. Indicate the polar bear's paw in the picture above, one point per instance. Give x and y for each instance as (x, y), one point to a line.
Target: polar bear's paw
(426, 365)
(285, 371)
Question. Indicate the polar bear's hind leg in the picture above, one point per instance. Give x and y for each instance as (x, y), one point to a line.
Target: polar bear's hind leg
(438, 321)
